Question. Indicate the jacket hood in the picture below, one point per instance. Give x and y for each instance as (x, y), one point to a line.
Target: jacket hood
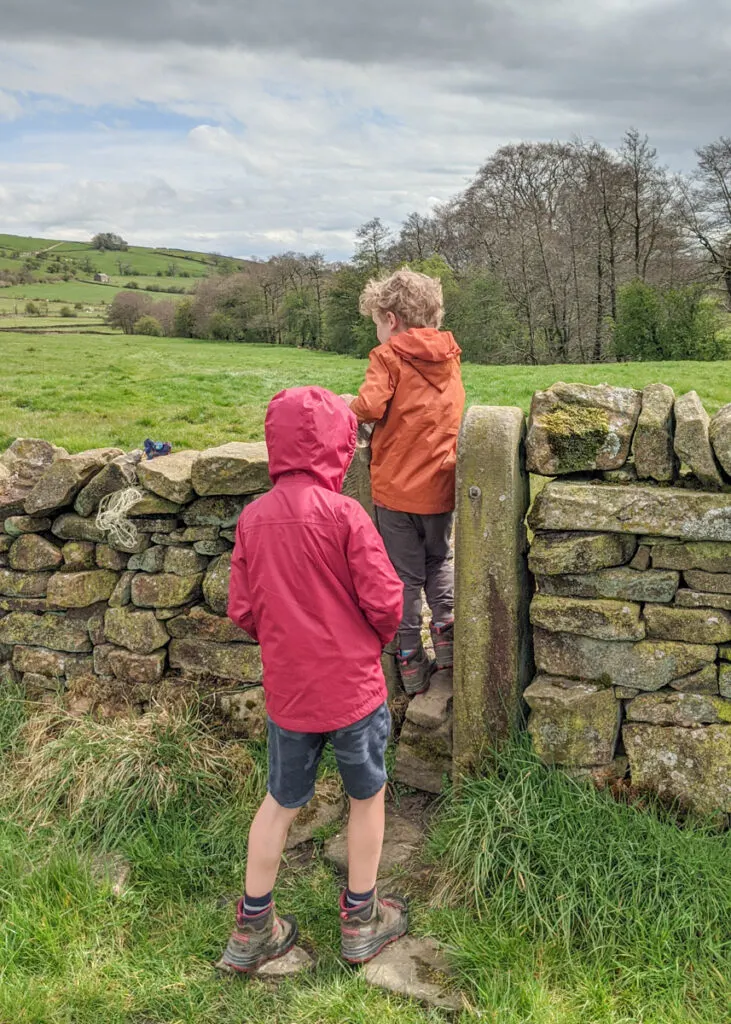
(433, 353)
(310, 430)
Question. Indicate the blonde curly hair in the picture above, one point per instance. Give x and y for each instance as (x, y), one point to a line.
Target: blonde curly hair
(414, 299)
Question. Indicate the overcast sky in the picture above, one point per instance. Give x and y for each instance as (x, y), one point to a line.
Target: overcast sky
(252, 126)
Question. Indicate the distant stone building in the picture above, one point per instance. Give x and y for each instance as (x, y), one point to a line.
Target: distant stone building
(102, 278)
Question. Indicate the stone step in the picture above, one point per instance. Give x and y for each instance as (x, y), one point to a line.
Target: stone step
(431, 709)
(401, 843)
(296, 961)
(326, 807)
(417, 969)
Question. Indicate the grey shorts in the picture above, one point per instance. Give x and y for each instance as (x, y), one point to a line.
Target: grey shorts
(360, 751)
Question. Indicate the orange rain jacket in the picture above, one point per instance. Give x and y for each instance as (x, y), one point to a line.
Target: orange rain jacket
(413, 389)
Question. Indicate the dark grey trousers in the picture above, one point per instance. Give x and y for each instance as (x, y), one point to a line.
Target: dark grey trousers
(421, 553)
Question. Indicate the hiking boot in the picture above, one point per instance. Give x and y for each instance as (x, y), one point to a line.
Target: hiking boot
(442, 634)
(367, 929)
(256, 940)
(416, 671)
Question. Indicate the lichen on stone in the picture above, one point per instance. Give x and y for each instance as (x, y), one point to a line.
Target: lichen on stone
(576, 436)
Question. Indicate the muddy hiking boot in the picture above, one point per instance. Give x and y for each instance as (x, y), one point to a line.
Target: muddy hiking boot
(367, 929)
(416, 670)
(442, 634)
(256, 940)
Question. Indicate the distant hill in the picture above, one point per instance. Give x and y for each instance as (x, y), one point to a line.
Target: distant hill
(47, 258)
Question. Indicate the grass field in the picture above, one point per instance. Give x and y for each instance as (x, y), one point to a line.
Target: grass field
(556, 905)
(63, 292)
(82, 391)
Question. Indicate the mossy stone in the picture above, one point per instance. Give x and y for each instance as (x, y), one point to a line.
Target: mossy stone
(198, 623)
(669, 707)
(603, 619)
(238, 467)
(720, 435)
(647, 665)
(691, 766)
(704, 681)
(244, 712)
(623, 584)
(79, 554)
(117, 475)
(198, 658)
(169, 476)
(23, 584)
(708, 556)
(653, 441)
(569, 552)
(81, 589)
(708, 582)
(691, 625)
(136, 630)
(612, 508)
(216, 584)
(57, 632)
(221, 512)
(577, 427)
(15, 526)
(692, 441)
(31, 553)
(572, 722)
(136, 669)
(165, 590)
(62, 481)
(70, 526)
(724, 680)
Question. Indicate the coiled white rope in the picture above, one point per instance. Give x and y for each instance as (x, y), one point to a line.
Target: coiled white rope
(112, 516)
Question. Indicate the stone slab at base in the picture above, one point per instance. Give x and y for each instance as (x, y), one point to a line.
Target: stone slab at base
(415, 968)
(294, 962)
(401, 843)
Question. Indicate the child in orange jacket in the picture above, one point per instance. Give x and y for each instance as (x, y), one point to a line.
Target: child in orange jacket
(413, 392)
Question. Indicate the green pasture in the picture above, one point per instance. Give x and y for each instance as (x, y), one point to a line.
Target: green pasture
(63, 292)
(83, 391)
(143, 280)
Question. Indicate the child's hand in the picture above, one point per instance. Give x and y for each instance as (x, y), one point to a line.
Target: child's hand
(348, 399)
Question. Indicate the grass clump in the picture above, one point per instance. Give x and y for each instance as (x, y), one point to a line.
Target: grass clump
(548, 875)
(12, 711)
(110, 775)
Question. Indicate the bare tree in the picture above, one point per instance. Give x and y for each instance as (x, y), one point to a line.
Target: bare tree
(705, 206)
(374, 241)
(651, 198)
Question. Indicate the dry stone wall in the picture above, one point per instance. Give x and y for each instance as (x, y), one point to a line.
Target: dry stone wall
(631, 617)
(107, 625)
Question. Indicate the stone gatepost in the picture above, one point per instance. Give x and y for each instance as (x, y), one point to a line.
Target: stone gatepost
(493, 647)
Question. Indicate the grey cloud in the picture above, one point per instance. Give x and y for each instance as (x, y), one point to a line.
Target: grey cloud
(375, 30)
(656, 62)
(519, 35)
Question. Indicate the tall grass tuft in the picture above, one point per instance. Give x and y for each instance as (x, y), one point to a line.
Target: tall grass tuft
(12, 710)
(111, 775)
(527, 849)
